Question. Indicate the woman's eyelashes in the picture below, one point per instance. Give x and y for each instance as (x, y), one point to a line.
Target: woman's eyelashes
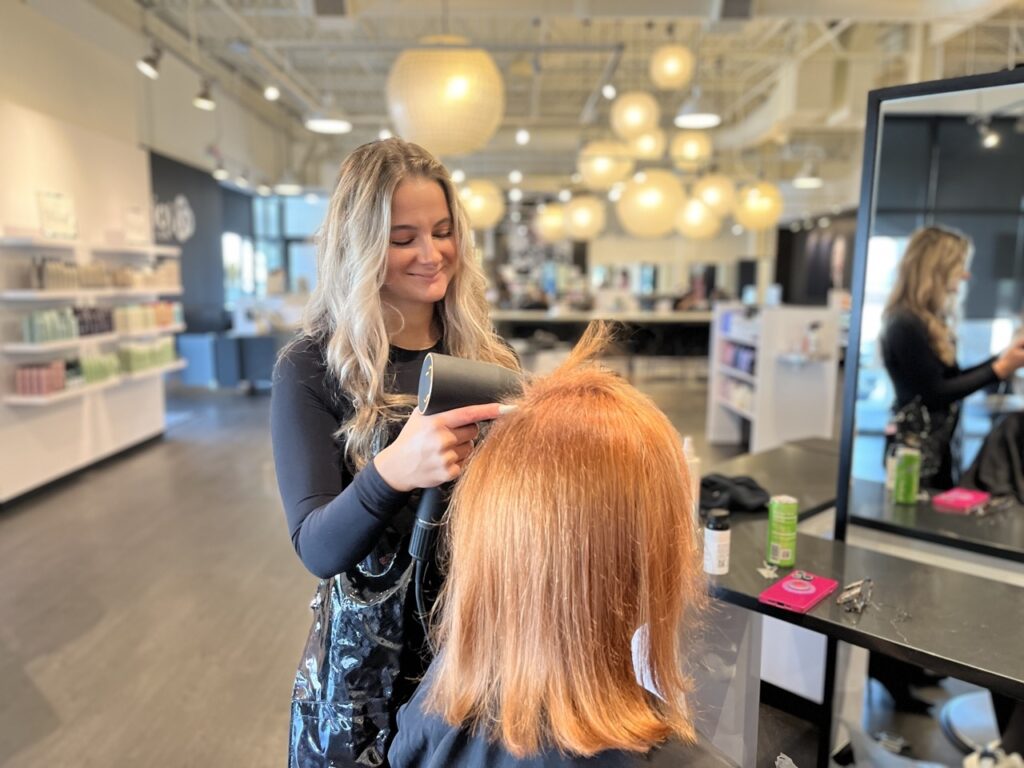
(438, 235)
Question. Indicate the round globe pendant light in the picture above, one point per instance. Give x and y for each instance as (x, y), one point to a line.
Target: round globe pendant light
(717, 192)
(446, 97)
(671, 67)
(696, 221)
(690, 150)
(484, 203)
(649, 145)
(649, 202)
(604, 163)
(584, 218)
(550, 222)
(759, 206)
(634, 113)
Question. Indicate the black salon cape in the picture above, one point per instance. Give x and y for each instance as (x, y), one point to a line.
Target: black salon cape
(999, 466)
(426, 741)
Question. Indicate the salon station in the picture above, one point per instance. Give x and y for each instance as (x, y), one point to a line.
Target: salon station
(805, 219)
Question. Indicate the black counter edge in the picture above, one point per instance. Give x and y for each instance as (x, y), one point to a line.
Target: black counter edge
(1004, 553)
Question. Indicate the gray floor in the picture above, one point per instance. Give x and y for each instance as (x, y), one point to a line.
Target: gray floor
(153, 609)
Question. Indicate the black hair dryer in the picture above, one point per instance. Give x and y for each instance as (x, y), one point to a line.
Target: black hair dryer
(445, 383)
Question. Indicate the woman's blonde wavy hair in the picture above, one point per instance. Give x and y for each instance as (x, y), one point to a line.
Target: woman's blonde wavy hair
(933, 256)
(569, 531)
(345, 311)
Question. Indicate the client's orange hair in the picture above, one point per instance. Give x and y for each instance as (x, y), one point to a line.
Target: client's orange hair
(570, 530)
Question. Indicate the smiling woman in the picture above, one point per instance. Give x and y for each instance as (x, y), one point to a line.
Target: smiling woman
(396, 280)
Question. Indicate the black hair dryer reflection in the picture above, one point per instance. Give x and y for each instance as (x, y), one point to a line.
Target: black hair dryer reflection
(446, 383)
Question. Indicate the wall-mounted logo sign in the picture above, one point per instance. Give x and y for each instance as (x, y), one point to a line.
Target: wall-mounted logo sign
(175, 220)
(56, 215)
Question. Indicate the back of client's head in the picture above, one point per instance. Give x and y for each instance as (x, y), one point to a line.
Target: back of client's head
(569, 531)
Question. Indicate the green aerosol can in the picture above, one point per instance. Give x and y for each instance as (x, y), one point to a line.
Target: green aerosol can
(782, 520)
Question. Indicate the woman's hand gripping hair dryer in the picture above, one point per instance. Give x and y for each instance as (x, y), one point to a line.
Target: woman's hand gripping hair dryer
(446, 383)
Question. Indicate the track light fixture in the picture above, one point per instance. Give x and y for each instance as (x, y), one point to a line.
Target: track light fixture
(204, 99)
(149, 65)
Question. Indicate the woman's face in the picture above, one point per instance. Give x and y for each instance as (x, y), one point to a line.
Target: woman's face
(422, 254)
(957, 277)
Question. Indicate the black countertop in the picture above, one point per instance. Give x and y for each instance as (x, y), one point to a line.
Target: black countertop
(806, 469)
(999, 533)
(956, 624)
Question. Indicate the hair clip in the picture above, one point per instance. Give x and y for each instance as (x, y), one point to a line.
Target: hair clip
(855, 596)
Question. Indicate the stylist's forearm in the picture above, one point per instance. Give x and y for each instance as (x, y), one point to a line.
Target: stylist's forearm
(1002, 368)
(390, 473)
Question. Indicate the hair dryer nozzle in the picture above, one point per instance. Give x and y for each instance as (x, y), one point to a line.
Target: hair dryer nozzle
(450, 382)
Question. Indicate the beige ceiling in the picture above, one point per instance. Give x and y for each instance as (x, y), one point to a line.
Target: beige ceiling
(790, 75)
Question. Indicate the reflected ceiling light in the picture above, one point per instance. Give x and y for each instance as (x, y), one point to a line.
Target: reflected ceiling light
(584, 218)
(697, 113)
(384, 134)
(241, 181)
(312, 198)
(615, 193)
(824, 222)
(271, 93)
(808, 177)
(671, 67)
(458, 176)
(485, 205)
(564, 195)
(794, 226)
(149, 65)
(608, 91)
(204, 99)
(515, 177)
(515, 195)
(737, 229)
(989, 139)
(264, 190)
(634, 113)
(446, 96)
(522, 137)
(220, 173)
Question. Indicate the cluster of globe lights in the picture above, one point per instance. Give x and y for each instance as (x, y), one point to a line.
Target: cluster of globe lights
(445, 70)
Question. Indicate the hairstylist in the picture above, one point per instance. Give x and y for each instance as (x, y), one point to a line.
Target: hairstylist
(397, 279)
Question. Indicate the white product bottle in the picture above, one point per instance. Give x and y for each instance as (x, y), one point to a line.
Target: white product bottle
(717, 539)
(693, 470)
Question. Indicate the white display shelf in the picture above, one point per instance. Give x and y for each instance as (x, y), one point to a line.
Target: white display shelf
(736, 373)
(25, 348)
(74, 392)
(37, 241)
(736, 409)
(148, 373)
(29, 295)
(150, 333)
(743, 341)
(66, 394)
(142, 249)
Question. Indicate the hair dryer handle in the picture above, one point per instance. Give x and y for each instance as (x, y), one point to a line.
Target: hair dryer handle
(432, 506)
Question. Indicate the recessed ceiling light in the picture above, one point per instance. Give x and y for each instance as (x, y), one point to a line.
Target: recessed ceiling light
(522, 137)
(271, 93)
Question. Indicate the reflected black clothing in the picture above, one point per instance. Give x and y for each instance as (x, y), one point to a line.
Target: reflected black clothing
(366, 650)
(917, 372)
(426, 741)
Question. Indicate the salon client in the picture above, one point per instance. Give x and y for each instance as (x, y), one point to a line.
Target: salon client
(573, 572)
(397, 278)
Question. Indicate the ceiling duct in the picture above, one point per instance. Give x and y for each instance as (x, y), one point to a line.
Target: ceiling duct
(330, 9)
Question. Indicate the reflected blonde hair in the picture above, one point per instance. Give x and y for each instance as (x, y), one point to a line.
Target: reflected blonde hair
(346, 312)
(570, 530)
(933, 255)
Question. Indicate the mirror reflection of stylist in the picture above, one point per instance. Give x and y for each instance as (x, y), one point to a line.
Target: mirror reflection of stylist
(918, 345)
(397, 278)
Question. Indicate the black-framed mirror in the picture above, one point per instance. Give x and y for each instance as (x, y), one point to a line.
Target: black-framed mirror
(940, 233)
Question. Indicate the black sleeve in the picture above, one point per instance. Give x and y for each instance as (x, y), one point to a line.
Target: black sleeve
(334, 518)
(912, 361)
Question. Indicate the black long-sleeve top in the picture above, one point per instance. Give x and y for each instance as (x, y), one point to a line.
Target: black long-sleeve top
(334, 516)
(917, 371)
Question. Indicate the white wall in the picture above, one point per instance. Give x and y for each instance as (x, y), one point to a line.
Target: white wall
(68, 59)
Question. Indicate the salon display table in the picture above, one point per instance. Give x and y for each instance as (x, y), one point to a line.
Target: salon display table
(947, 621)
(806, 469)
(999, 533)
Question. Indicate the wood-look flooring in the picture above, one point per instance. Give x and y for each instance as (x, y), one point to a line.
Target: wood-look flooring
(152, 610)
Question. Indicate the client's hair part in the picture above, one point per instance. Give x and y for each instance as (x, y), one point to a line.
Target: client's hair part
(570, 530)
